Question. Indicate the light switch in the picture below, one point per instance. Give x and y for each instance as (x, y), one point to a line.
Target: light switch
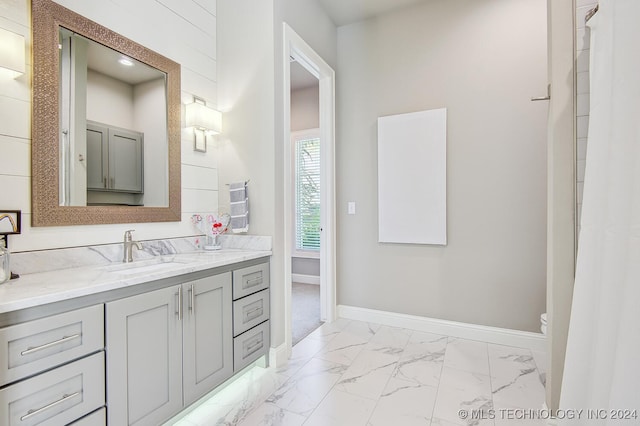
(351, 207)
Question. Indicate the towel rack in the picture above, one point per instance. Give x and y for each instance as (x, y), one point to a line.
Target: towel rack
(544, 98)
(245, 182)
(591, 13)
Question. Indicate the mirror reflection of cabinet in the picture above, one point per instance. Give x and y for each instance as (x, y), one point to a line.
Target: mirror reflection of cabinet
(114, 159)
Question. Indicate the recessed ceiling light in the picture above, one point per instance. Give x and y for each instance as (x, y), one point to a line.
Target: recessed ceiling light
(126, 61)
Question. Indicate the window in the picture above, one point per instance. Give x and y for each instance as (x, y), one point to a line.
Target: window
(307, 191)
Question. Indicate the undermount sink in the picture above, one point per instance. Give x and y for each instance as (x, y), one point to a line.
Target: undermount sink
(156, 264)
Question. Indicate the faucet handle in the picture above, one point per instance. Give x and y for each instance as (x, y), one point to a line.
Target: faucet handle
(127, 235)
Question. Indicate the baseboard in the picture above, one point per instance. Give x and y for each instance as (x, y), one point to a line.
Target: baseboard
(278, 356)
(305, 279)
(500, 336)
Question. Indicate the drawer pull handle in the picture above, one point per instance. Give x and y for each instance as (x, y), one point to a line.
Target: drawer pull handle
(192, 302)
(179, 303)
(254, 281)
(50, 344)
(32, 413)
(249, 315)
(253, 348)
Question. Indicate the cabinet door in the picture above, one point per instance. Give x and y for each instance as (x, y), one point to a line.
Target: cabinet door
(144, 357)
(97, 418)
(125, 160)
(97, 154)
(208, 344)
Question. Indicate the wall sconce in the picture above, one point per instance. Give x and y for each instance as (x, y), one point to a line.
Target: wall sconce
(204, 120)
(12, 61)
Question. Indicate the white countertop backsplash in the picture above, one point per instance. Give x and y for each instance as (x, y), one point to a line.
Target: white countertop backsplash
(49, 276)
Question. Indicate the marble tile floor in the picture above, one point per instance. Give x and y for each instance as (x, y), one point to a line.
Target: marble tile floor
(355, 373)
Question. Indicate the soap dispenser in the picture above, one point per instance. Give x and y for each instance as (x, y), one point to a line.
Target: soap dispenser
(5, 267)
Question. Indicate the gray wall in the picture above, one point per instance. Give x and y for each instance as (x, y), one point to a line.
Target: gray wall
(305, 107)
(305, 266)
(482, 60)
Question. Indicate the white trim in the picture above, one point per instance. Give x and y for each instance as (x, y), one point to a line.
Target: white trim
(552, 421)
(295, 47)
(279, 356)
(306, 254)
(305, 134)
(500, 336)
(305, 279)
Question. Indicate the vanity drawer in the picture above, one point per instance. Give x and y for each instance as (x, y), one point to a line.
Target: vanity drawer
(250, 279)
(97, 418)
(31, 347)
(250, 346)
(56, 397)
(250, 311)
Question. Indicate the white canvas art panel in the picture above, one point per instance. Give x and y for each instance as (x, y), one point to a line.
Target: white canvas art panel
(412, 178)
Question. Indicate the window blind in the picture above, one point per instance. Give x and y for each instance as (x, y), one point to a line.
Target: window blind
(307, 194)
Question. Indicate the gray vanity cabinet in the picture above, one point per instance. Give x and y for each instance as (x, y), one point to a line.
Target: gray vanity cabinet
(166, 348)
(115, 159)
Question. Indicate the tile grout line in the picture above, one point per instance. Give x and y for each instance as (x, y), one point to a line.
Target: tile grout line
(435, 400)
(391, 376)
(493, 405)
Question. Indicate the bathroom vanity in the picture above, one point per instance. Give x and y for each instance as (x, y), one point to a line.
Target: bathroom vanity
(145, 339)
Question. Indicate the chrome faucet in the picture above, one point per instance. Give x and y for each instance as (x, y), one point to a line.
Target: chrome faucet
(128, 246)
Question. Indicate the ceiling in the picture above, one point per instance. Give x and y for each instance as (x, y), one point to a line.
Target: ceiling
(344, 12)
(105, 60)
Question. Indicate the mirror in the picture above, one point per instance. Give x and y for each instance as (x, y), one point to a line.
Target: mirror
(113, 120)
(105, 137)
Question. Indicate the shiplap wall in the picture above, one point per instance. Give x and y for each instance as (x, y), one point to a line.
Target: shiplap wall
(182, 30)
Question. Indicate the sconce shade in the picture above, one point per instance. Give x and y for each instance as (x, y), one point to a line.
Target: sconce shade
(200, 116)
(11, 53)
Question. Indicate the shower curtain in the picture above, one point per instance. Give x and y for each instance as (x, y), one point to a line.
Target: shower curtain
(602, 365)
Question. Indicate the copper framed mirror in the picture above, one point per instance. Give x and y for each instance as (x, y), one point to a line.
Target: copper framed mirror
(63, 115)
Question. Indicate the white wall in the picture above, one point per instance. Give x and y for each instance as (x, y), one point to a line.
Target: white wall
(110, 101)
(250, 88)
(246, 96)
(311, 22)
(483, 60)
(146, 96)
(191, 42)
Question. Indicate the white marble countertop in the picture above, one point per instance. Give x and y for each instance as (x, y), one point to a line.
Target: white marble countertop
(41, 288)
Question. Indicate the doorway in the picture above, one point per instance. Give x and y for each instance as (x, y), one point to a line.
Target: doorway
(299, 57)
(306, 151)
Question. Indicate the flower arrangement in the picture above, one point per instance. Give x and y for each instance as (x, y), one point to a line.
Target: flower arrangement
(211, 228)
